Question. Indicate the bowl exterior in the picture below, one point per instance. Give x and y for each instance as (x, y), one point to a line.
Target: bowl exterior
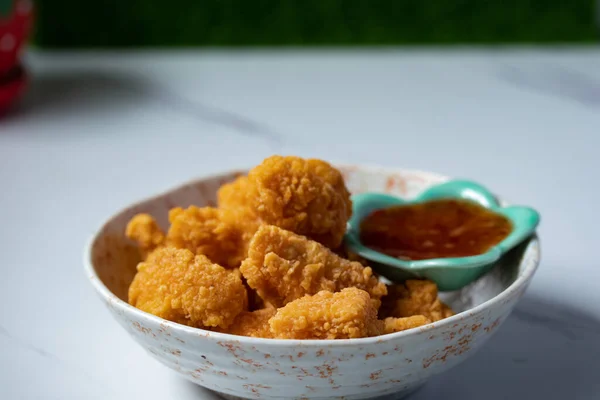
(260, 369)
(277, 369)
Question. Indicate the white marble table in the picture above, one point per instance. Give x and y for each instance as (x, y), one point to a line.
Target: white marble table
(99, 131)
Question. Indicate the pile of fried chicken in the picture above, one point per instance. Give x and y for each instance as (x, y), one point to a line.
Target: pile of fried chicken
(269, 262)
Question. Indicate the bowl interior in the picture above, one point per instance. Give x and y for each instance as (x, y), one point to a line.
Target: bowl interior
(114, 257)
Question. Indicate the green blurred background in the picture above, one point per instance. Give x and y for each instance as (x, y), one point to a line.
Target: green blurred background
(144, 23)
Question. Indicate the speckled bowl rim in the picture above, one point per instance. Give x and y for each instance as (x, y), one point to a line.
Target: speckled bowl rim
(522, 279)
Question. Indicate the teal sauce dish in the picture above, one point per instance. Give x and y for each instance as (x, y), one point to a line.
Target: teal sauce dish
(448, 273)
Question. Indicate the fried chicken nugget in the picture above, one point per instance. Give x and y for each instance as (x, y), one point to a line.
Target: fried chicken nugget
(252, 323)
(415, 297)
(391, 325)
(202, 231)
(189, 289)
(326, 315)
(283, 266)
(305, 196)
(231, 200)
(233, 196)
(144, 230)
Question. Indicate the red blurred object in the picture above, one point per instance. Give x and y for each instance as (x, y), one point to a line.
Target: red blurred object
(12, 85)
(14, 31)
(15, 26)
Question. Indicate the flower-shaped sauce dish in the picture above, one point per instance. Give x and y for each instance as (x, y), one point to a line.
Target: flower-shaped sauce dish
(450, 272)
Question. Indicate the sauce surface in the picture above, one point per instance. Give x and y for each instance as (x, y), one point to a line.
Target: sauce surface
(434, 229)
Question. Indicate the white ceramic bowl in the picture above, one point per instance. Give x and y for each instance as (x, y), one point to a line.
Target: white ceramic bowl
(282, 369)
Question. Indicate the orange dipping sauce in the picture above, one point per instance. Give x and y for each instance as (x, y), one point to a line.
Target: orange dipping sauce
(434, 229)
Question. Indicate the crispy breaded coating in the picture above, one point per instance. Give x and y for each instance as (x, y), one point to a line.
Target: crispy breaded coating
(143, 229)
(326, 315)
(189, 289)
(415, 297)
(202, 231)
(283, 266)
(305, 196)
(252, 323)
(231, 200)
(232, 195)
(391, 325)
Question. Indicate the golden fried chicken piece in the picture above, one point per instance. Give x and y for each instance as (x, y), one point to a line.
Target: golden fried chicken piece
(189, 289)
(143, 229)
(232, 196)
(282, 267)
(391, 325)
(231, 200)
(415, 297)
(252, 323)
(326, 315)
(305, 196)
(202, 231)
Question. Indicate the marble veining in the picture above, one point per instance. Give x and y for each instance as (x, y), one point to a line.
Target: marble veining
(360, 106)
